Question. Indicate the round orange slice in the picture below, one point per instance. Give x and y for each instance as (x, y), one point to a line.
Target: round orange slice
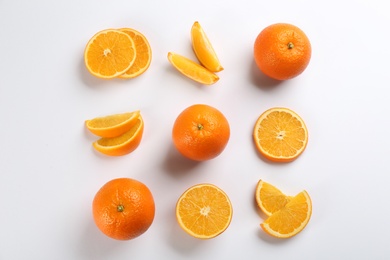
(203, 49)
(269, 198)
(109, 53)
(143, 54)
(280, 134)
(192, 69)
(291, 219)
(204, 211)
(123, 144)
(112, 125)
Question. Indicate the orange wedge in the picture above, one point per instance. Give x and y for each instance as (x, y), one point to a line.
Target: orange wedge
(109, 53)
(280, 134)
(192, 69)
(143, 54)
(291, 219)
(203, 49)
(269, 198)
(112, 125)
(204, 211)
(123, 144)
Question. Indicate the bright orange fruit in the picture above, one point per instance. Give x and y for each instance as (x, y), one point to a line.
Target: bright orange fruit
(269, 198)
(280, 134)
(291, 219)
(109, 53)
(112, 125)
(123, 144)
(204, 211)
(143, 54)
(200, 132)
(282, 51)
(123, 208)
(203, 49)
(192, 69)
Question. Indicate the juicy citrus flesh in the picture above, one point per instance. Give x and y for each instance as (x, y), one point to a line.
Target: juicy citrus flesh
(123, 208)
(201, 132)
(280, 134)
(269, 198)
(112, 125)
(291, 219)
(109, 53)
(282, 51)
(204, 211)
(203, 49)
(143, 54)
(192, 69)
(123, 144)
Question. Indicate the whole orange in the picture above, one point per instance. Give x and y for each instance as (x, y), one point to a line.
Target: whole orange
(123, 208)
(200, 132)
(282, 51)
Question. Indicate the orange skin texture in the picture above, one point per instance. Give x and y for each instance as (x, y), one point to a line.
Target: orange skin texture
(282, 51)
(123, 208)
(201, 132)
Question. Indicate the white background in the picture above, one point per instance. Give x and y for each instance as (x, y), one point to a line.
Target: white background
(49, 172)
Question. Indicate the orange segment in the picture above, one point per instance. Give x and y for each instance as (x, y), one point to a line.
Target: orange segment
(204, 211)
(123, 144)
(109, 53)
(269, 198)
(203, 49)
(280, 134)
(143, 54)
(291, 219)
(192, 70)
(112, 125)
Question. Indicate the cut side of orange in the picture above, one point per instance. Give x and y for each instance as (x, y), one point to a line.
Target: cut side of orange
(143, 54)
(204, 211)
(123, 144)
(112, 125)
(280, 134)
(203, 49)
(269, 198)
(109, 53)
(291, 219)
(192, 69)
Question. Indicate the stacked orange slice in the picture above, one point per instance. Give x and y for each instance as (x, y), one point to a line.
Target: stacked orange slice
(112, 53)
(120, 133)
(287, 215)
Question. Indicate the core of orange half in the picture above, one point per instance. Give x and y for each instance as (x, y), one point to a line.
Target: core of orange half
(112, 125)
(143, 54)
(109, 53)
(204, 211)
(192, 69)
(291, 219)
(280, 134)
(269, 198)
(203, 49)
(123, 144)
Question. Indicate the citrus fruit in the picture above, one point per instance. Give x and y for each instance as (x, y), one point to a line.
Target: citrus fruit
(123, 208)
(143, 54)
(204, 211)
(282, 51)
(291, 219)
(280, 134)
(269, 198)
(192, 69)
(200, 132)
(123, 144)
(109, 53)
(203, 49)
(112, 125)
